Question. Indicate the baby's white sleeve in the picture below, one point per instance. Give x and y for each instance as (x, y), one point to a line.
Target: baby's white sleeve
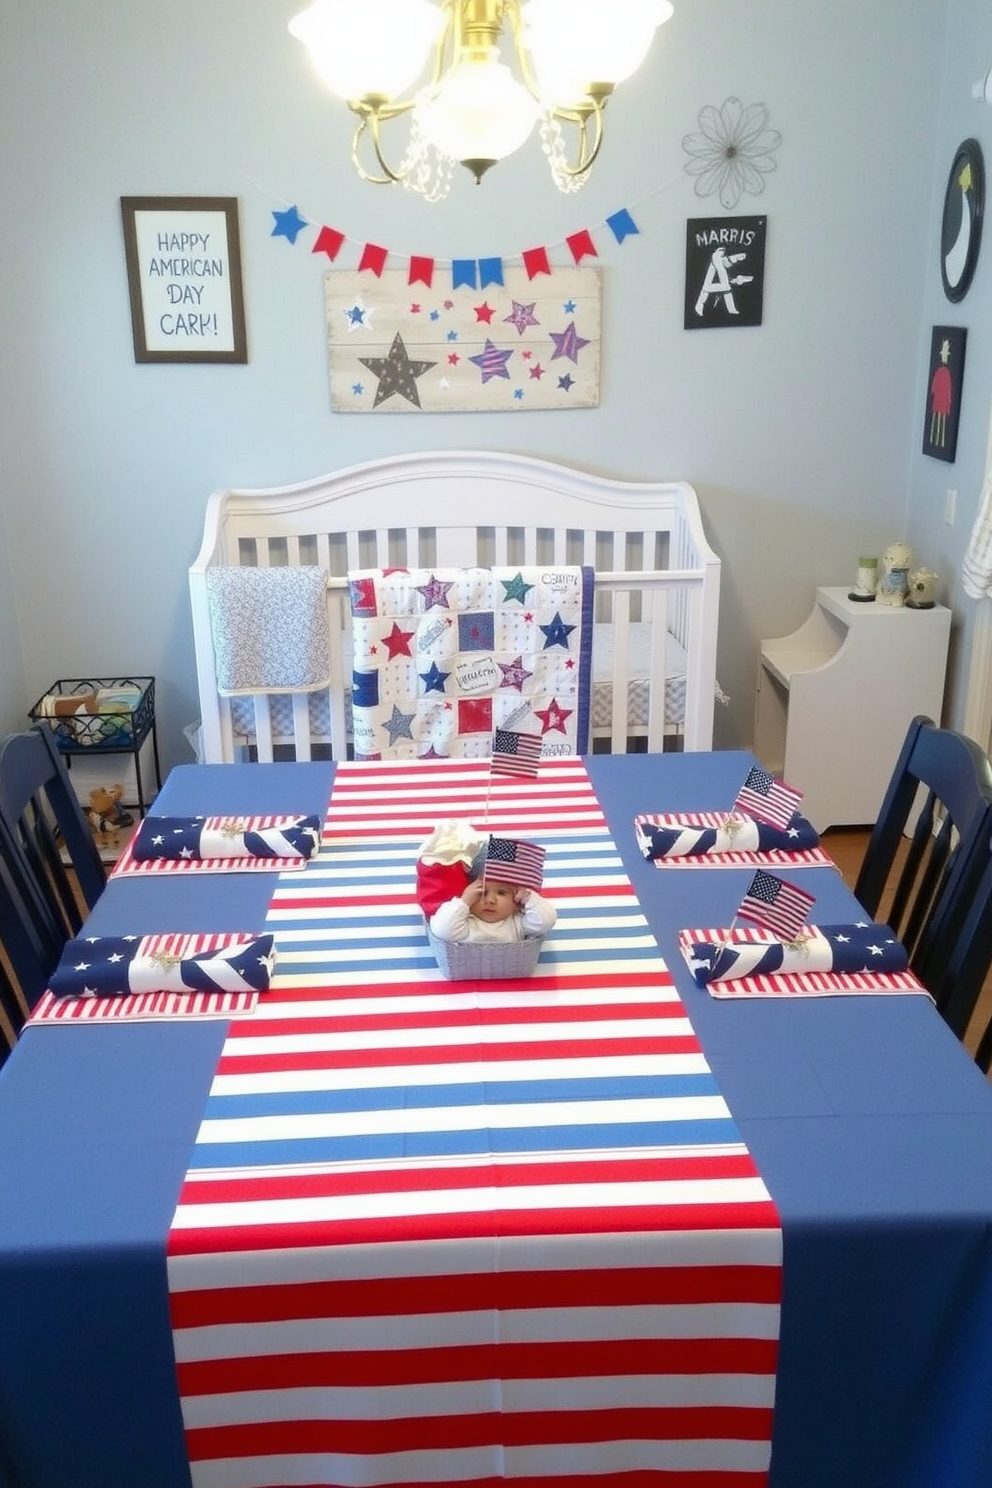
(450, 921)
(538, 915)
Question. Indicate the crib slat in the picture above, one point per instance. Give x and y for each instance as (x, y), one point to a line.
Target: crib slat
(657, 672)
(263, 730)
(339, 627)
(621, 656)
(226, 729)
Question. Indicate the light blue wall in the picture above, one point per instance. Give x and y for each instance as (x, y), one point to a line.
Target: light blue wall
(800, 436)
(968, 58)
(11, 672)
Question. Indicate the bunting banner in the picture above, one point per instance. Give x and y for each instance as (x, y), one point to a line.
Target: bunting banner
(470, 273)
(489, 340)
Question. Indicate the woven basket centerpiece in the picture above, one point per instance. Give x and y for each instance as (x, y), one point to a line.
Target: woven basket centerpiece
(486, 960)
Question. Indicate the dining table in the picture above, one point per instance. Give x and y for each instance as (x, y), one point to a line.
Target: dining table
(868, 1123)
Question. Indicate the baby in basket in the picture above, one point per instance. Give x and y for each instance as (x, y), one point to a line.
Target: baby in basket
(465, 901)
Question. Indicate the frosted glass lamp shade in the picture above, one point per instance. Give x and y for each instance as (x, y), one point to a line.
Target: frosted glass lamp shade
(575, 43)
(368, 47)
(479, 112)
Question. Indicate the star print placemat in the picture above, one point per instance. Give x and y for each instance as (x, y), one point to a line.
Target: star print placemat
(154, 1006)
(823, 961)
(443, 657)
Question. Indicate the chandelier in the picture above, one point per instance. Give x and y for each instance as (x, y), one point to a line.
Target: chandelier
(569, 56)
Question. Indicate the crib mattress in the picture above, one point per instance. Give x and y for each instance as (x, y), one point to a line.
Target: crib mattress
(638, 692)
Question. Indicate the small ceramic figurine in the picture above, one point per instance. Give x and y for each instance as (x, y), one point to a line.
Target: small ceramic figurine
(893, 583)
(922, 589)
(867, 580)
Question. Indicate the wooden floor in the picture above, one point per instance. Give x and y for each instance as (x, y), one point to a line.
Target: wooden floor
(846, 845)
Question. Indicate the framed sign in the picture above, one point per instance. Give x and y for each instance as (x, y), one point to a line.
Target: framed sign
(946, 375)
(724, 271)
(184, 276)
(961, 224)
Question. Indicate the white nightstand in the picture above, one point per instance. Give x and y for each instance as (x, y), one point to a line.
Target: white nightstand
(836, 696)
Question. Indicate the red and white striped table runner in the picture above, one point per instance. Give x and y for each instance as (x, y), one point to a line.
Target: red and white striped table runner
(439, 1232)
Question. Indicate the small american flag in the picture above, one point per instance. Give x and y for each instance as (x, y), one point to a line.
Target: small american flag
(516, 754)
(768, 799)
(515, 862)
(775, 905)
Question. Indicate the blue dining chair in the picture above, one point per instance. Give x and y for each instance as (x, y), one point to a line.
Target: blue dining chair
(25, 965)
(970, 956)
(921, 877)
(44, 832)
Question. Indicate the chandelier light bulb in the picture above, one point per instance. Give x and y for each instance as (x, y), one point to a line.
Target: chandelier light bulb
(368, 48)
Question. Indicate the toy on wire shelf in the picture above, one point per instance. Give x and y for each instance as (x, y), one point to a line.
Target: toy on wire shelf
(107, 817)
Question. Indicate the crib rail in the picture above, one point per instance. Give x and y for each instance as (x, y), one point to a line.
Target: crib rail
(655, 572)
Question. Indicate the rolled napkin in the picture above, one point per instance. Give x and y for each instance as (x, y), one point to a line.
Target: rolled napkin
(817, 948)
(119, 965)
(694, 834)
(195, 838)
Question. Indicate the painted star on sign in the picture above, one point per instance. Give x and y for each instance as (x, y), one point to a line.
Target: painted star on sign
(557, 632)
(398, 641)
(515, 674)
(537, 371)
(566, 382)
(359, 316)
(485, 312)
(522, 316)
(435, 592)
(398, 725)
(568, 343)
(491, 362)
(553, 717)
(434, 679)
(396, 373)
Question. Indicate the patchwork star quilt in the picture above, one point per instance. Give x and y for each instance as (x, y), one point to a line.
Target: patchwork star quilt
(444, 656)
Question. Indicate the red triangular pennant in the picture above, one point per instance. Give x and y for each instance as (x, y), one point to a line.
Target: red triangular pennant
(582, 245)
(374, 258)
(536, 262)
(329, 241)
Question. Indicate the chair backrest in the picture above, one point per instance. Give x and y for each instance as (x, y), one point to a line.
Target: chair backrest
(932, 874)
(40, 821)
(27, 962)
(970, 956)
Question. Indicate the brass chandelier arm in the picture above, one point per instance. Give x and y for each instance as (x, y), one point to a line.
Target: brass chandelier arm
(581, 118)
(369, 120)
(580, 115)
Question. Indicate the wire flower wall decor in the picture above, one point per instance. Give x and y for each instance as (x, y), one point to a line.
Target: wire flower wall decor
(732, 153)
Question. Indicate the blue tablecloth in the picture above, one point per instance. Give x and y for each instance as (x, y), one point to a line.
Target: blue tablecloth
(870, 1125)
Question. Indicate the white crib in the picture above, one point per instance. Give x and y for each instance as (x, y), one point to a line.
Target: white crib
(657, 584)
